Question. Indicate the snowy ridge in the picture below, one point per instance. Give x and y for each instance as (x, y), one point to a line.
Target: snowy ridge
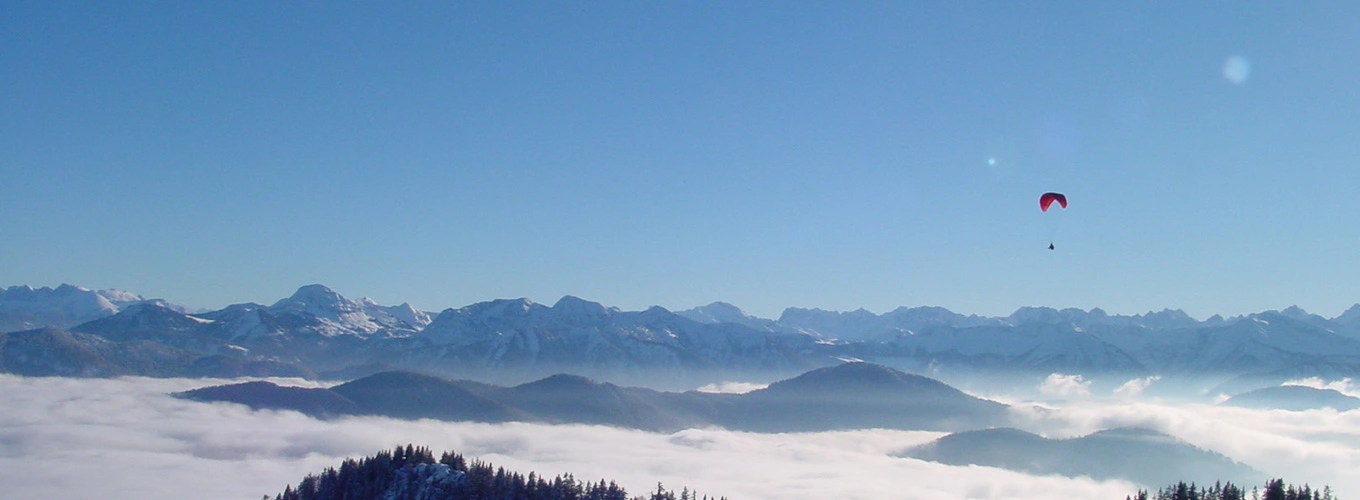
(318, 329)
(25, 308)
(722, 312)
(315, 310)
(519, 332)
(329, 314)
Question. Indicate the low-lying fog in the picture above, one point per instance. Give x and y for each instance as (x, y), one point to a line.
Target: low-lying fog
(126, 438)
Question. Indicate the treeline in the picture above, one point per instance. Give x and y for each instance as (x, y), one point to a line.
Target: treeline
(1275, 489)
(412, 473)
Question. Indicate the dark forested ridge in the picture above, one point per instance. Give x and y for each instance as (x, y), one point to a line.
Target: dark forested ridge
(412, 473)
(1143, 456)
(1293, 398)
(847, 396)
(1274, 489)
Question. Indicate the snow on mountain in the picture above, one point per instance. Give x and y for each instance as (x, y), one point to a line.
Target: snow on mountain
(1168, 318)
(519, 332)
(1164, 319)
(480, 322)
(1297, 313)
(323, 330)
(244, 322)
(416, 318)
(146, 321)
(26, 308)
(1047, 315)
(577, 312)
(1073, 340)
(315, 327)
(722, 312)
(1348, 323)
(313, 312)
(1035, 345)
(854, 325)
(861, 325)
(1258, 343)
(329, 314)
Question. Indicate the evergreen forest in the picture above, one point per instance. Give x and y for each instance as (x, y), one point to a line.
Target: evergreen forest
(412, 473)
(1274, 489)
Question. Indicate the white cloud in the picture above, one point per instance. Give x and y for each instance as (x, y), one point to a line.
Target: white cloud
(1135, 387)
(732, 387)
(1345, 386)
(1316, 446)
(125, 438)
(1067, 386)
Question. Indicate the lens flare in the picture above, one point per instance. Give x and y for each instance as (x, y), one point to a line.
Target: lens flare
(1237, 69)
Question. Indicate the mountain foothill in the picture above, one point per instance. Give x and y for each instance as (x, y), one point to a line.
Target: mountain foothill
(849, 396)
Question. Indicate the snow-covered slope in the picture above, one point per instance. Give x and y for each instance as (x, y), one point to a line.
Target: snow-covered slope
(322, 330)
(519, 332)
(27, 308)
(329, 314)
(722, 312)
(314, 312)
(1034, 346)
(862, 325)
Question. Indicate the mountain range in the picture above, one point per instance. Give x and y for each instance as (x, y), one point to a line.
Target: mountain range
(1293, 398)
(1140, 455)
(28, 308)
(847, 396)
(317, 332)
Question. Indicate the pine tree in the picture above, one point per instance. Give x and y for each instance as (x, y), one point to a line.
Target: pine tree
(1275, 490)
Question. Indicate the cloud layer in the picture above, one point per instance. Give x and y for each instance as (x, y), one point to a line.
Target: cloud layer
(125, 438)
(1058, 384)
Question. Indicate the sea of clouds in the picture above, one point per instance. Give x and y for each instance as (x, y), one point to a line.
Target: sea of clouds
(127, 438)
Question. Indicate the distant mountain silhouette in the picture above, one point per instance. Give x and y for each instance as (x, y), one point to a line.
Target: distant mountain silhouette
(861, 395)
(53, 352)
(1294, 398)
(574, 399)
(854, 395)
(412, 396)
(47, 352)
(1135, 454)
(321, 403)
(316, 330)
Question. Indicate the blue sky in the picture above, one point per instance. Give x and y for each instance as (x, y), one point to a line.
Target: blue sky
(834, 155)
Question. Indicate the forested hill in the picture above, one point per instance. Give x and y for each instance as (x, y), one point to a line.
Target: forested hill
(1275, 489)
(412, 473)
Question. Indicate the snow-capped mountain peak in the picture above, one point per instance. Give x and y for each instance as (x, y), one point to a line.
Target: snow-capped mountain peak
(717, 312)
(317, 300)
(24, 307)
(331, 314)
(575, 309)
(405, 312)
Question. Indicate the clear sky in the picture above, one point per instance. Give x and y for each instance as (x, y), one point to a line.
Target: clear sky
(768, 154)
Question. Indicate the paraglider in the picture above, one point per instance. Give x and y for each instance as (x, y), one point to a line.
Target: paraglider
(1046, 200)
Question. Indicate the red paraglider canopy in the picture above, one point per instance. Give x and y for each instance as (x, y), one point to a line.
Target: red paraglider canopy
(1047, 200)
